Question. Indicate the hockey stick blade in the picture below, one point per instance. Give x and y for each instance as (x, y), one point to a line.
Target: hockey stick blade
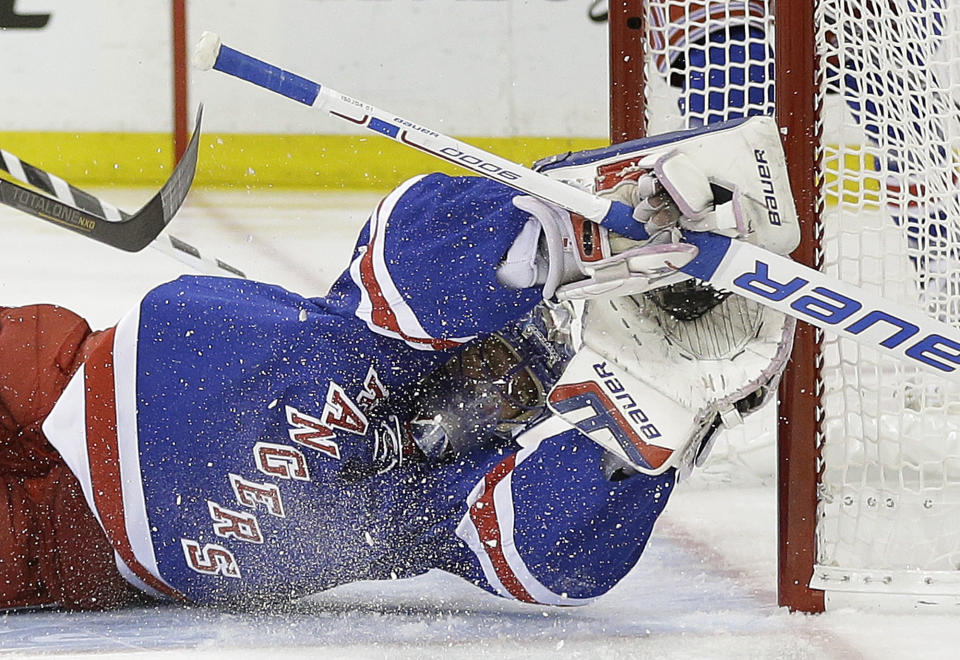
(901, 332)
(127, 232)
(170, 245)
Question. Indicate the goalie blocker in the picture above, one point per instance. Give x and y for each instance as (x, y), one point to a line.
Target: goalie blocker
(667, 361)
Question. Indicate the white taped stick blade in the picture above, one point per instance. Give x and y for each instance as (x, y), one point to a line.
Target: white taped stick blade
(206, 51)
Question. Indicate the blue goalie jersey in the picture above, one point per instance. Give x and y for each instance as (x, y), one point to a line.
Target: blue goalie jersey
(228, 434)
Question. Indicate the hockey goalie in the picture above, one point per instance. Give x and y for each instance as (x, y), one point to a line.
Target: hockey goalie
(493, 388)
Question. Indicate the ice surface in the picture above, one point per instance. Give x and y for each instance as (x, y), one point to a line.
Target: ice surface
(705, 588)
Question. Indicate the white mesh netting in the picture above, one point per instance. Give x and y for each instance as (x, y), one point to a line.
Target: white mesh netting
(889, 82)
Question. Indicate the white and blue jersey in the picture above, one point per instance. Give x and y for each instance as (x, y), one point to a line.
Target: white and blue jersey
(224, 432)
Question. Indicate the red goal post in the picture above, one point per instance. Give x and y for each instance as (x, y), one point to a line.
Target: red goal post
(797, 481)
(799, 430)
(868, 451)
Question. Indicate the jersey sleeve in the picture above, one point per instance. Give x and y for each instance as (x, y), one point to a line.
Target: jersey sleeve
(424, 270)
(546, 526)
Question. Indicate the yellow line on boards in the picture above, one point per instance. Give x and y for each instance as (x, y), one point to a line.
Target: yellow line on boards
(95, 158)
(326, 162)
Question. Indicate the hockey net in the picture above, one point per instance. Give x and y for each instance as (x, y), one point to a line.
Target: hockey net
(866, 93)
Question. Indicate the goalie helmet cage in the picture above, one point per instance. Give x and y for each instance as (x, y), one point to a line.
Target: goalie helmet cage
(868, 449)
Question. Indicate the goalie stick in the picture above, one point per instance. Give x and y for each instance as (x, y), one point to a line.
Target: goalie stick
(902, 332)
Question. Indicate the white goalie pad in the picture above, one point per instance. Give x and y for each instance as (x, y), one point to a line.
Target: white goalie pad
(729, 178)
(653, 388)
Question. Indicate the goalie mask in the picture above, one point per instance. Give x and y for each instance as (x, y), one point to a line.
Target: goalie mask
(495, 386)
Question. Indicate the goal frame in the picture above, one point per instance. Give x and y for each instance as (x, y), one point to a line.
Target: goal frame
(799, 431)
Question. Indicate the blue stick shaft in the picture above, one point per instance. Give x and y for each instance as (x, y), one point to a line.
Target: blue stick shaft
(266, 75)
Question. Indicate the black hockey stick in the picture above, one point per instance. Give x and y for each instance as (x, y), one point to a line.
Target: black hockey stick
(89, 216)
(72, 196)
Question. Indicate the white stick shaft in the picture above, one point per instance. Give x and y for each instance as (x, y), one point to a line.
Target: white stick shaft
(460, 153)
(618, 217)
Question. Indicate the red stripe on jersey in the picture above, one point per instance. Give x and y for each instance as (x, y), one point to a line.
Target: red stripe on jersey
(483, 513)
(104, 457)
(381, 314)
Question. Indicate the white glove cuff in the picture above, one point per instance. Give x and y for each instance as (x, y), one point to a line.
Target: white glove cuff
(557, 238)
(522, 268)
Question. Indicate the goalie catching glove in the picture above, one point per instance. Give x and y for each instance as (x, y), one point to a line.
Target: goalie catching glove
(670, 362)
(727, 178)
(659, 374)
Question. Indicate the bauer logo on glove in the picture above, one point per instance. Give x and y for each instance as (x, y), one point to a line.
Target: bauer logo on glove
(660, 373)
(729, 178)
